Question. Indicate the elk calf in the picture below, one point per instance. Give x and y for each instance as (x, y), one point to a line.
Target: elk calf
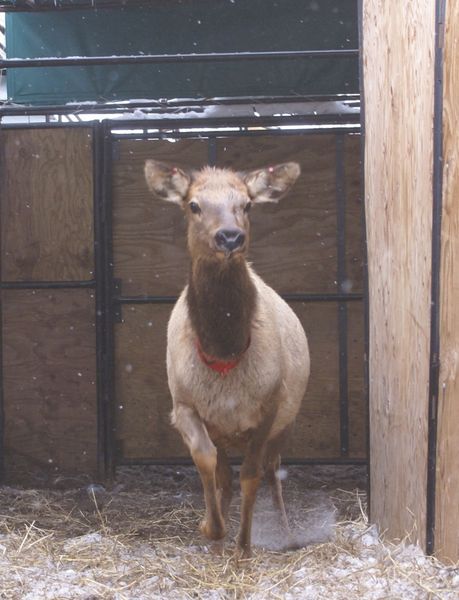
(237, 355)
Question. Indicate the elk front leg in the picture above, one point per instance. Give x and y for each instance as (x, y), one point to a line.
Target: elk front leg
(224, 482)
(224, 490)
(204, 455)
(251, 474)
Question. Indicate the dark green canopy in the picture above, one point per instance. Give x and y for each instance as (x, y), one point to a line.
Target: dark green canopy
(184, 26)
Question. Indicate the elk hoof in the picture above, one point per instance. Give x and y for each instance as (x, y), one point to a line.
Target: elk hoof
(217, 548)
(242, 553)
(212, 531)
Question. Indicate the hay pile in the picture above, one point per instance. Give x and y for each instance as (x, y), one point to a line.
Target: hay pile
(140, 541)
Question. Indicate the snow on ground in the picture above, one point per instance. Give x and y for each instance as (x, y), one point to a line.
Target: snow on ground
(139, 540)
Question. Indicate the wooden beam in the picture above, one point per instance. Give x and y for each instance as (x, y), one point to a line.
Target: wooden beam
(398, 67)
(447, 481)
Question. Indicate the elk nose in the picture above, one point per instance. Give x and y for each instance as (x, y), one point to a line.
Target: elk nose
(229, 239)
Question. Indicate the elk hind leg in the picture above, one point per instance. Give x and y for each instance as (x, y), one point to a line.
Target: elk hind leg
(272, 469)
(204, 454)
(275, 483)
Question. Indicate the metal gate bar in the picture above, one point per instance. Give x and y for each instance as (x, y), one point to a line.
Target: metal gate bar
(142, 59)
(46, 285)
(437, 193)
(127, 462)
(104, 297)
(172, 106)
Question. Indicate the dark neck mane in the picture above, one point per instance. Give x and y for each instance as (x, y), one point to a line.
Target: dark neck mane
(221, 301)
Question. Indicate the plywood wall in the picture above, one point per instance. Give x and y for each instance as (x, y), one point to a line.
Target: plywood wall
(47, 221)
(48, 335)
(294, 248)
(398, 65)
(49, 385)
(149, 239)
(447, 483)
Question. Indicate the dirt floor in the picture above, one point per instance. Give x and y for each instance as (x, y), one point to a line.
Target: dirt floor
(140, 540)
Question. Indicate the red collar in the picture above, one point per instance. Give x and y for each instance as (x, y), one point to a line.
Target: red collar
(221, 366)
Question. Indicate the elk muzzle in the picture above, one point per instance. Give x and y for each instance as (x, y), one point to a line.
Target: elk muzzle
(229, 240)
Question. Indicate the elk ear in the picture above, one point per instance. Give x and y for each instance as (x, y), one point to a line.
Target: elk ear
(269, 185)
(167, 182)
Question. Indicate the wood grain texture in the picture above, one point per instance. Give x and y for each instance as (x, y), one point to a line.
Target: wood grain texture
(293, 245)
(398, 61)
(358, 409)
(149, 235)
(49, 385)
(47, 204)
(316, 430)
(354, 216)
(447, 484)
(143, 402)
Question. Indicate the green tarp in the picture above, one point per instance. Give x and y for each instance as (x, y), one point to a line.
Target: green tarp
(184, 26)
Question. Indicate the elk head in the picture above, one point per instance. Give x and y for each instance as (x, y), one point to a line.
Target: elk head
(217, 202)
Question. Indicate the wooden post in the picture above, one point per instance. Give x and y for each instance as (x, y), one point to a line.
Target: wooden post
(402, 122)
(447, 476)
(398, 68)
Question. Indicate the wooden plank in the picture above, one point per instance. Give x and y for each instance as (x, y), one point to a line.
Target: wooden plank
(316, 430)
(447, 484)
(143, 398)
(398, 61)
(142, 395)
(293, 243)
(358, 409)
(47, 204)
(149, 235)
(49, 385)
(354, 217)
(354, 264)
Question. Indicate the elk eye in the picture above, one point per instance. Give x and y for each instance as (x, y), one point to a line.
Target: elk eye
(194, 207)
(247, 207)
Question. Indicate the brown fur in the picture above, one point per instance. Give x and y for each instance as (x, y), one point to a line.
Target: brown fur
(254, 405)
(221, 301)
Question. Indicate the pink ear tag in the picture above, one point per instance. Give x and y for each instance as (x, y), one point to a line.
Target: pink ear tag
(271, 169)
